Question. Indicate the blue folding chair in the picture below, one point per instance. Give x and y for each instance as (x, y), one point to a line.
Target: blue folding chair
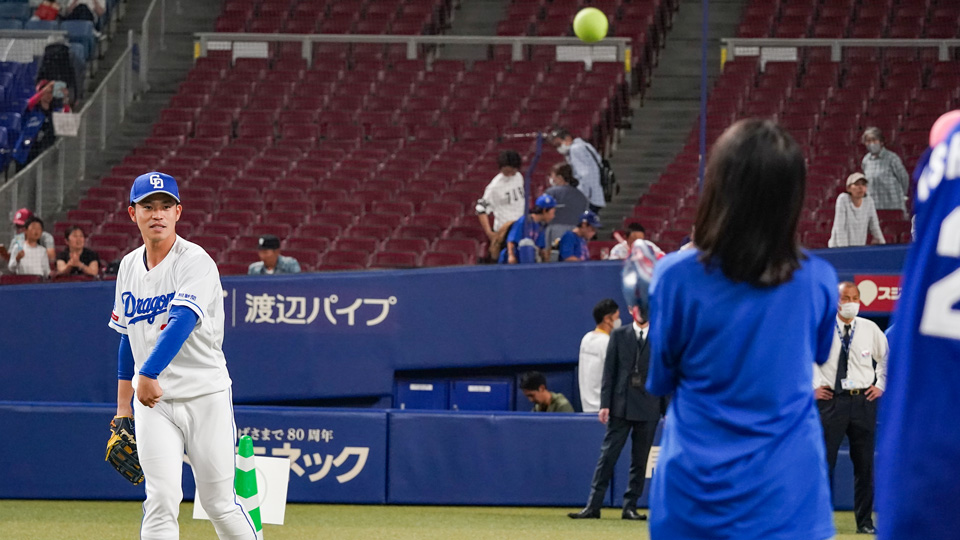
(81, 32)
(18, 11)
(41, 25)
(10, 24)
(11, 122)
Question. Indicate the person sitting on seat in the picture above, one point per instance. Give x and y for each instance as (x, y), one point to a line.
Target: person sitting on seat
(573, 244)
(271, 262)
(534, 385)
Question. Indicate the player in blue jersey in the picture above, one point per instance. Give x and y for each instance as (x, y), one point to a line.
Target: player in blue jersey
(736, 325)
(918, 451)
(526, 240)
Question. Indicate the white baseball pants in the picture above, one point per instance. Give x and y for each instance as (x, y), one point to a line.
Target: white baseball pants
(204, 429)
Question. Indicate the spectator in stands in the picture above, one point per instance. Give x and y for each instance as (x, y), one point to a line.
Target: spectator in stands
(20, 220)
(77, 259)
(573, 243)
(85, 10)
(534, 385)
(635, 231)
(37, 133)
(854, 216)
(504, 197)
(48, 10)
(271, 262)
(30, 257)
(888, 177)
(585, 161)
(571, 204)
(526, 234)
(593, 351)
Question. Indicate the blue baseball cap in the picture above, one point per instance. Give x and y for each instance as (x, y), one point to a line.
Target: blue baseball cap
(153, 182)
(590, 218)
(545, 202)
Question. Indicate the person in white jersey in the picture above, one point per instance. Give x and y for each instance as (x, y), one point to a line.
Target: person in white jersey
(503, 196)
(169, 311)
(593, 352)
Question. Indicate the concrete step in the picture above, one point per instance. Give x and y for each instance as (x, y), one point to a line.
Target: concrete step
(672, 103)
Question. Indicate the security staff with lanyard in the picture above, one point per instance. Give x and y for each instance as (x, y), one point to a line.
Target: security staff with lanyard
(628, 410)
(847, 387)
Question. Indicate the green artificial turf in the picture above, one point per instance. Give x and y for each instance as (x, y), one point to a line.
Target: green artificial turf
(96, 520)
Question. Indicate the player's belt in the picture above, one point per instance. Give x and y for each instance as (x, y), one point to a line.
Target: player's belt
(853, 392)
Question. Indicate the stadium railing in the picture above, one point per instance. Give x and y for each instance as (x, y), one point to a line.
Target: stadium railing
(25, 45)
(764, 47)
(152, 41)
(44, 184)
(418, 46)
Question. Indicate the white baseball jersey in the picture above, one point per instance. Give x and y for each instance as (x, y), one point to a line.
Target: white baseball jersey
(188, 277)
(504, 198)
(593, 353)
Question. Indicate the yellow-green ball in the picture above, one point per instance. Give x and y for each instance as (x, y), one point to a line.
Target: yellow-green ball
(590, 25)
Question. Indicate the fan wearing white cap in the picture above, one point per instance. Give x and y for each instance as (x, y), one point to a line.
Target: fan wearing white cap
(169, 311)
(855, 214)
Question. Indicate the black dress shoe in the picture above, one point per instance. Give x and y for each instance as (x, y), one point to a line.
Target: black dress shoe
(633, 515)
(867, 529)
(586, 513)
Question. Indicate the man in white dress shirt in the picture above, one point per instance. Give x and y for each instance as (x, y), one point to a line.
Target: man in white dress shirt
(847, 387)
(593, 351)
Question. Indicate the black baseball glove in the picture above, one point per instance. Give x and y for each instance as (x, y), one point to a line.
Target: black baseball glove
(122, 449)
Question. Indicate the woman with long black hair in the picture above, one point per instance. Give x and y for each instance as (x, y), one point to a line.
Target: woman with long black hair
(735, 326)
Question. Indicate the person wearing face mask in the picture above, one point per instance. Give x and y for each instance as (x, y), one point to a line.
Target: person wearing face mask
(847, 387)
(854, 216)
(571, 204)
(888, 178)
(628, 410)
(585, 161)
(593, 352)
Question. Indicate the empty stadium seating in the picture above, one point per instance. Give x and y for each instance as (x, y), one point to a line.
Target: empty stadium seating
(825, 105)
(359, 159)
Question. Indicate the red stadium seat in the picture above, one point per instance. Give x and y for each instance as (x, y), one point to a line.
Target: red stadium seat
(394, 259)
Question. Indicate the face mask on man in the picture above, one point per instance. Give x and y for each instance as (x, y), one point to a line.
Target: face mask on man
(617, 323)
(564, 149)
(874, 148)
(849, 310)
(552, 183)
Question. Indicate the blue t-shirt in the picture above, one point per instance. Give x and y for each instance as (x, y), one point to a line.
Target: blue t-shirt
(525, 228)
(572, 245)
(742, 454)
(918, 445)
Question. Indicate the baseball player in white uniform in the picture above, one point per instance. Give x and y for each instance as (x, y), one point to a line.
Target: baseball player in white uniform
(169, 311)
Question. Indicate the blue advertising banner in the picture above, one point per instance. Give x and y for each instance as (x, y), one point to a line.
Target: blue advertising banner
(525, 459)
(332, 335)
(335, 455)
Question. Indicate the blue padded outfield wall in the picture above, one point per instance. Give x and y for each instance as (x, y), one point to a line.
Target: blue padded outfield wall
(324, 336)
(343, 456)
(337, 336)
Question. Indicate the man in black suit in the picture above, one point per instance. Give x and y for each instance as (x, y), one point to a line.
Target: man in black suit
(627, 409)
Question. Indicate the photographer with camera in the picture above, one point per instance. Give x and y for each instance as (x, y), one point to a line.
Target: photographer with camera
(37, 134)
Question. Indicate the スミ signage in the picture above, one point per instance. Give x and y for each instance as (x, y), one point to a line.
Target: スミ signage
(878, 293)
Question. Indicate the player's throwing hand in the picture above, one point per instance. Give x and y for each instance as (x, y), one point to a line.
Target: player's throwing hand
(148, 391)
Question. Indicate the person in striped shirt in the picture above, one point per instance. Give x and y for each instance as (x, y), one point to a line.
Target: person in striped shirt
(855, 215)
